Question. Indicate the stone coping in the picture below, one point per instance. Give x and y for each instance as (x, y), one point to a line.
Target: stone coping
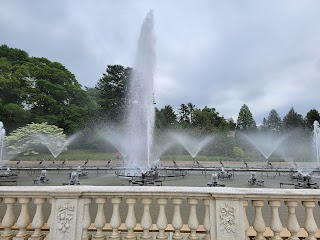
(165, 191)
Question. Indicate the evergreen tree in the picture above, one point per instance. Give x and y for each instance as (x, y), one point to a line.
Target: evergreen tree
(165, 117)
(312, 115)
(245, 120)
(293, 120)
(112, 93)
(274, 122)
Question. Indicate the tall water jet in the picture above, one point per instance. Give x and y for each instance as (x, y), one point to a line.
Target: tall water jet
(140, 109)
(316, 140)
(2, 135)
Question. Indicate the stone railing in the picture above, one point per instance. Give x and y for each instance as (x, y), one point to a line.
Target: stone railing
(89, 212)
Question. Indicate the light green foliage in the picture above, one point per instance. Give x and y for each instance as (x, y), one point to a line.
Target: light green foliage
(35, 138)
(238, 153)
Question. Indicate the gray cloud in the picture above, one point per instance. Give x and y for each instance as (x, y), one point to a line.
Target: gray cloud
(222, 54)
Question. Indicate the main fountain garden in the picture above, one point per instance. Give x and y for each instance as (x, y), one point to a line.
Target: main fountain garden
(226, 188)
(140, 150)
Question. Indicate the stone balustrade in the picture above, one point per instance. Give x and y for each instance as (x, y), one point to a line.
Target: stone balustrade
(95, 212)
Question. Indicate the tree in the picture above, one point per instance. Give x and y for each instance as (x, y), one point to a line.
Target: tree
(293, 120)
(263, 126)
(112, 93)
(35, 138)
(208, 119)
(165, 117)
(312, 115)
(274, 122)
(38, 90)
(245, 120)
(186, 112)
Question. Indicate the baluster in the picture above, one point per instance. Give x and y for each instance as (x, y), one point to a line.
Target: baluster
(0, 199)
(292, 224)
(146, 221)
(131, 220)
(275, 224)
(23, 219)
(9, 219)
(100, 220)
(245, 219)
(86, 221)
(115, 221)
(309, 223)
(206, 222)
(162, 221)
(49, 220)
(38, 220)
(193, 222)
(258, 224)
(177, 219)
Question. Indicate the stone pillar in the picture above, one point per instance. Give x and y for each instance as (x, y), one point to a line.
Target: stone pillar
(8, 220)
(275, 224)
(162, 222)
(131, 220)
(38, 220)
(309, 223)
(115, 220)
(146, 221)
(86, 221)
(193, 222)
(292, 224)
(206, 221)
(66, 215)
(226, 218)
(258, 223)
(177, 219)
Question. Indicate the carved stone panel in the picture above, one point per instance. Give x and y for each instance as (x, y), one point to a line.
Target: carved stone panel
(66, 224)
(65, 218)
(229, 220)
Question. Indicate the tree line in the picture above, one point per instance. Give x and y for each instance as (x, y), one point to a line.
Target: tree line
(34, 89)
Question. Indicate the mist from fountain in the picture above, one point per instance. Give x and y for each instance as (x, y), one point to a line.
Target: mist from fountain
(266, 143)
(161, 147)
(117, 139)
(55, 144)
(192, 144)
(140, 108)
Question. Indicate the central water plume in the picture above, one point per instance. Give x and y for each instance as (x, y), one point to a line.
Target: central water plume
(140, 109)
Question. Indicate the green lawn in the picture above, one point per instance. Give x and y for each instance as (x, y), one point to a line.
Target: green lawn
(84, 154)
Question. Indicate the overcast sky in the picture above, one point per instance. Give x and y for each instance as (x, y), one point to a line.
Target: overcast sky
(220, 54)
